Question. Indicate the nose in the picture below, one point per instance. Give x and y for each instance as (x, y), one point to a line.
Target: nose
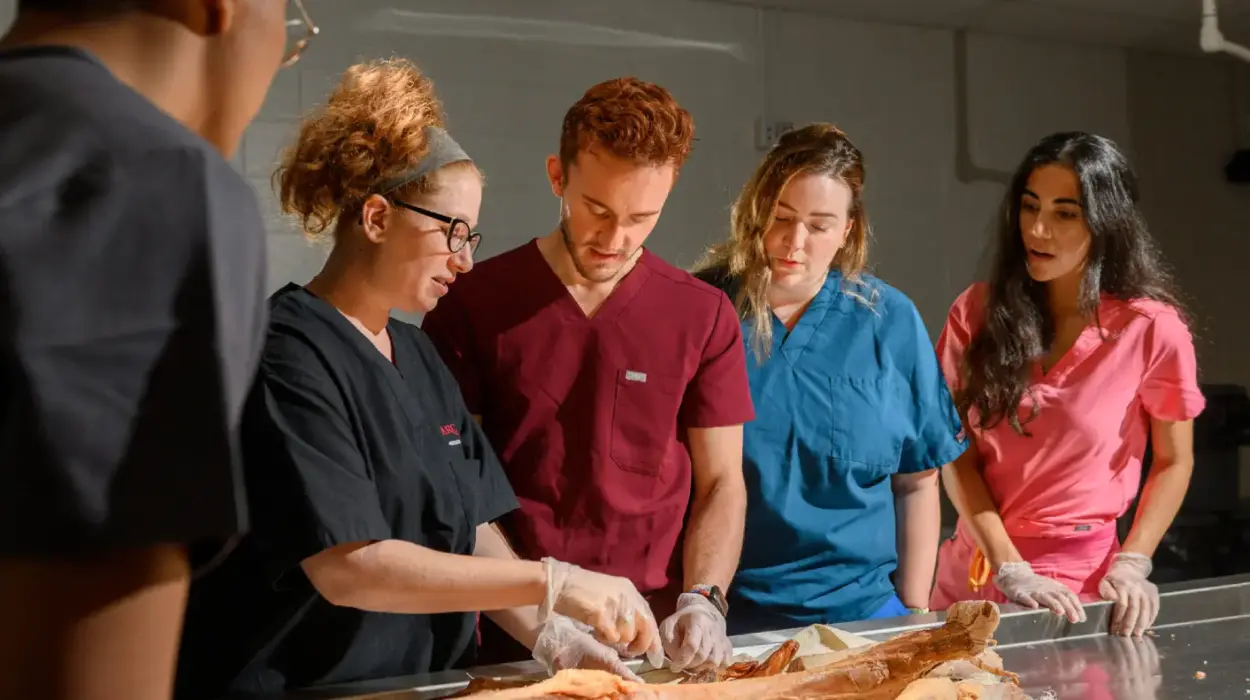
(611, 238)
(797, 237)
(1037, 228)
(462, 260)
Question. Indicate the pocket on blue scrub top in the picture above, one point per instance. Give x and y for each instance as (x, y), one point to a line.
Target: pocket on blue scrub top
(865, 430)
(644, 420)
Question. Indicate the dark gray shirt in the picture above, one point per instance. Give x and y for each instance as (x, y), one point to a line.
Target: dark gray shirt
(342, 446)
(131, 315)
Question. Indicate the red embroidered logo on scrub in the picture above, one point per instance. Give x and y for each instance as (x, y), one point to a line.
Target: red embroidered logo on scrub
(450, 429)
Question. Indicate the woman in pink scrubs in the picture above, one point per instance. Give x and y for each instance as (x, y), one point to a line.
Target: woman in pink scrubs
(1063, 365)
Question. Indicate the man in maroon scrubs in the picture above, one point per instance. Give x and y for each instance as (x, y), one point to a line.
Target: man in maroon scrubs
(612, 384)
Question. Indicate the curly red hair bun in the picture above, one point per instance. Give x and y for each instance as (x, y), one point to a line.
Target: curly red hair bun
(370, 130)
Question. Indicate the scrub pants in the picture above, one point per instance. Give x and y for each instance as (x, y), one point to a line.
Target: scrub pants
(1077, 560)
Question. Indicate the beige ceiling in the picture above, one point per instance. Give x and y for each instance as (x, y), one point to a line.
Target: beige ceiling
(1170, 25)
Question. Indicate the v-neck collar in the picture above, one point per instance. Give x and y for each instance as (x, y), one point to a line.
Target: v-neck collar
(394, 370)
(1108, 322)
(358, 339)
(794, 341)
(617, 300)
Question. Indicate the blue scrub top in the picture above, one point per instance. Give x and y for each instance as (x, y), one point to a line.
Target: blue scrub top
(848, 398)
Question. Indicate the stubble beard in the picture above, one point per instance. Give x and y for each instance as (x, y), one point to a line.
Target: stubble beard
(597, 275)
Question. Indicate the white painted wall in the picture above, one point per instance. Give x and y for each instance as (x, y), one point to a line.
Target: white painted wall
(890, 87)
(1184, 113)
(507, 71)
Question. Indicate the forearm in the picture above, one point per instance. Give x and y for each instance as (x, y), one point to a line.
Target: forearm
(976, 508)
(522, 622)
(918, 519)
(1160, 501)
(713, 542)
(93, 627)
(401, 577)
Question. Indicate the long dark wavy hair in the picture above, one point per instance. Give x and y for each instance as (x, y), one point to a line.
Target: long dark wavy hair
(1122, 262)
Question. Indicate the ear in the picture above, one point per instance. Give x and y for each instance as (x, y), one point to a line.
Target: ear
(220, 15)
(375, 215)
(203, 17)
(555, 175)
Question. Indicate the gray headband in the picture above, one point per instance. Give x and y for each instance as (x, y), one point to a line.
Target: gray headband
(441, 150)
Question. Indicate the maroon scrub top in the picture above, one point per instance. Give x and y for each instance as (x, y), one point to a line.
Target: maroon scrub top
(587, 414)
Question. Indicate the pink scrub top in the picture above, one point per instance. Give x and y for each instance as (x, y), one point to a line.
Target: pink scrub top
(1060, 491)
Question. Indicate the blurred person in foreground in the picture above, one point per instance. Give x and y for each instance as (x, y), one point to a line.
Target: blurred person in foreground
(131, 319)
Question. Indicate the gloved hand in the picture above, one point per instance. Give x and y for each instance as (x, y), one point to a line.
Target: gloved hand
(695, 636)
(1136, 598)
(613, 608)
(567, 643)
(1018, 582)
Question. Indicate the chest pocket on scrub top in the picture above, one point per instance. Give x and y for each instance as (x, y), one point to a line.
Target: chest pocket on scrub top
(864, 430)
(456, 503)
(644, 418)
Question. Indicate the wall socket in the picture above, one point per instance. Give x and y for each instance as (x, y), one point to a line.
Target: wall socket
(767, 132)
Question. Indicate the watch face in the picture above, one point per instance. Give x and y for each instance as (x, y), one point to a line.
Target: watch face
(716, 598)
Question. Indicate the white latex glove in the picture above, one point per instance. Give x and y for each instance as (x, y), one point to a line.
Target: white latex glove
(695, 636)
(566, 643)
(1018, 582)
(610, 605)
(1136, 598)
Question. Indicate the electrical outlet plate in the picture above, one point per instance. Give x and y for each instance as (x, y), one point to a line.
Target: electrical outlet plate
(768, 132)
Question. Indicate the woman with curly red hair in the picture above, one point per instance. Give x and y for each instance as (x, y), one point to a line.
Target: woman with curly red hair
(371, 488)
(613, 383)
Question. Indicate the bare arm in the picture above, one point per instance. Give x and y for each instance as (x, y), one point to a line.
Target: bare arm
(95, 627)
(918, 518)
(713, 540)
(522, 622)
(1173, 447)
(401, 577)
(971, 498)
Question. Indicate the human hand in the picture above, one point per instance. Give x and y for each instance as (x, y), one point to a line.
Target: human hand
(610, 605)
(1134, 667)
(695, 636)
(1136, 598)
(1018, 582)
(566, 643)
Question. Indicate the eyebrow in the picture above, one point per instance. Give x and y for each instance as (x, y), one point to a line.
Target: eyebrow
(1060, 200)
(635, 215)
(822, 214)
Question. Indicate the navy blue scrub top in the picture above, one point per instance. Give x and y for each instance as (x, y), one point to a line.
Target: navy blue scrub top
(848, 398)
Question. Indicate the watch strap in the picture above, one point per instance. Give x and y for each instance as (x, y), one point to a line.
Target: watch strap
(714, 595)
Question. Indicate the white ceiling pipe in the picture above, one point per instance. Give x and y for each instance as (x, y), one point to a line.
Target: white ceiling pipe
(1210, 37)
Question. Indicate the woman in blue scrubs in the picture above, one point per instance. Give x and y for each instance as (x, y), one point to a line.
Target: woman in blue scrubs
(853, 416)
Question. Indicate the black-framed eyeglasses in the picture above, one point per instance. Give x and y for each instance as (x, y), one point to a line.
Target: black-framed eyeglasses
(300, 30)
(458, 233)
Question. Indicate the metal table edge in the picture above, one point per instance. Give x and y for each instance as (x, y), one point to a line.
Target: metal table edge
(1041, 625)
